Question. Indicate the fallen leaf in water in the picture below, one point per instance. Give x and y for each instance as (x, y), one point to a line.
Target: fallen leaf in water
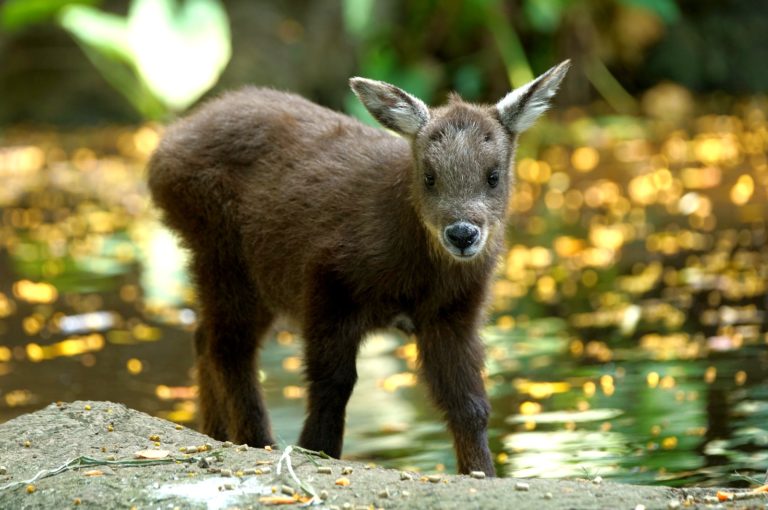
(284, 500)
(152, 454)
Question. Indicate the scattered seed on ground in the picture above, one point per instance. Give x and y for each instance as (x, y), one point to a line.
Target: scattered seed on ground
(522, 486)
(287, 490)
(323, 494)
(76, 501)
(3, 470)
(597, 480)
(263, 470)
(268, 448)
(346, 470)
(673, 504)
(154, 437)
(226, 472)
(227, 444)
(477, 474)
(434, 478)
(548, 495)
(87, 407)
(324, 470)
(343, 481)
(27, 443)
(31, 488)
(405, 476)
(405, 494)
(384, 494)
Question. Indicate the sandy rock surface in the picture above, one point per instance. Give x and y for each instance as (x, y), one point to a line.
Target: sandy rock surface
(94, 446)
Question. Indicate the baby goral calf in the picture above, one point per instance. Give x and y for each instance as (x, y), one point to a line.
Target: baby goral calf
(292, 209)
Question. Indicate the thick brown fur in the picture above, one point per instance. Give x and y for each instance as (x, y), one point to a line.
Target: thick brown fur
(291, 209)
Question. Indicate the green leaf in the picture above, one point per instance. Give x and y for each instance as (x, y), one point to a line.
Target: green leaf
(667, 10)
(544, 15)
(357, 16)
(101, 31)
(179, 50)
(18, 14)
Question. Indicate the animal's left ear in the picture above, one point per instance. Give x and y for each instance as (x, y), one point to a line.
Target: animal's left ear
(392, 107)
(520, 108)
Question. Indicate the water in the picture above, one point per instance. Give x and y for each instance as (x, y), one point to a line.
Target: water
(627, 337)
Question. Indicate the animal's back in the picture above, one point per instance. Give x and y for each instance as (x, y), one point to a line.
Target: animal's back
(273, 175)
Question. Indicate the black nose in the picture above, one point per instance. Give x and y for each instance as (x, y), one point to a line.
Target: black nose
(462, 235)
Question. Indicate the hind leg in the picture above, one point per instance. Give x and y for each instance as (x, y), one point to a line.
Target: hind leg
(233, 325)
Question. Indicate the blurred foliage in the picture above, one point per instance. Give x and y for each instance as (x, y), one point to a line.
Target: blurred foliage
(161, 57)
(19, 14)
(480, 48)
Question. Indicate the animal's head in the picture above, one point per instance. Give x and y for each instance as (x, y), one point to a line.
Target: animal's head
(464, 154)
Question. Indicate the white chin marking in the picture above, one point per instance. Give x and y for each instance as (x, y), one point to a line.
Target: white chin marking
(468, 253)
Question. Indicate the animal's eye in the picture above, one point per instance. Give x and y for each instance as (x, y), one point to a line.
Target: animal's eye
(493, 178)
(429, 180)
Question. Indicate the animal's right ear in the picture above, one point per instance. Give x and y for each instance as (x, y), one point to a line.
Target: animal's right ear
(392, 107)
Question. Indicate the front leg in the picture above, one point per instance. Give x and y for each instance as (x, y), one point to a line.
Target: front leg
(451, 356)
(333, 329)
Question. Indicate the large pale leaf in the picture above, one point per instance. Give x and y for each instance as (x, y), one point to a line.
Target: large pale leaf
(179, 49)
(104, 32)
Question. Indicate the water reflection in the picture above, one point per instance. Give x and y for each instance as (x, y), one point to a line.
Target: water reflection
(627, 339)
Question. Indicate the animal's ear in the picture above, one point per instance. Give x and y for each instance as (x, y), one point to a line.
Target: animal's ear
(392, 107)
(520, 108)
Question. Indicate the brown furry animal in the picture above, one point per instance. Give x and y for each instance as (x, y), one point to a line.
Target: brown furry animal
(292, 209)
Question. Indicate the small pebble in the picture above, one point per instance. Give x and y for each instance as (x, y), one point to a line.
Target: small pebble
(548, 495)
(263, 470)
(242, 448)
(477, 474)
(405, 476)
(673, 504)
(288, 491)
(268, 448)
(346, 470)
(3, 470)
(434, 478)
(111, 457)
(597, 480)
(640, 507)
(689, 500)
(214, 470)
(347, 506)
(324, 470)
(27, 443)
(227, 444)
(203, 463)
(405, 494)
(76, 501)
(227, 487)
(179, 427)
(190, 449)
(226, 472)
(522, 486)
(711, 499)
(323, 495)
(384, 494)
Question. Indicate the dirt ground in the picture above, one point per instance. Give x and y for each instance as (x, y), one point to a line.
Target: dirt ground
(106, 437)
